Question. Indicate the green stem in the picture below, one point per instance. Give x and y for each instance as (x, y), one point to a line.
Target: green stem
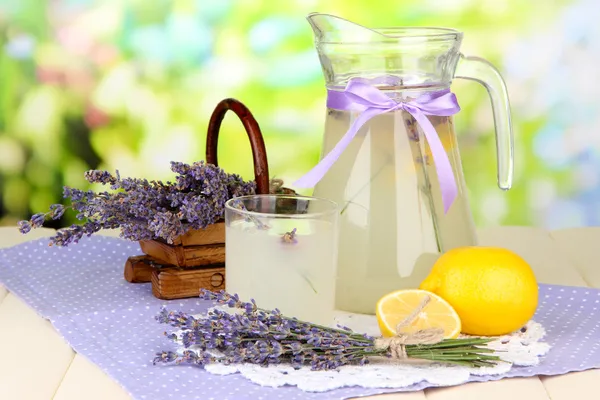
(461, 357)
(454, 343)
(455, 350)
(362, 187)
(309, 283)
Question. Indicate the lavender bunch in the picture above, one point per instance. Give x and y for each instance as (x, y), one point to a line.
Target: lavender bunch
(264, 337)
(145, 209)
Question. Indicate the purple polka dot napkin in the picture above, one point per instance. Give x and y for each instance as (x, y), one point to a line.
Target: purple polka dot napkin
(81, 290)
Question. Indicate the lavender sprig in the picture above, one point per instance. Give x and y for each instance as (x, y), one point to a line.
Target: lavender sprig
(290, 237)
(145, 209)
(258, 336)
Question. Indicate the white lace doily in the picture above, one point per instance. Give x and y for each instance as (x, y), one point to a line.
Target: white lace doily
(521, 348)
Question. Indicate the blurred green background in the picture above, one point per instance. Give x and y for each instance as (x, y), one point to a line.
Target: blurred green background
(131, 84)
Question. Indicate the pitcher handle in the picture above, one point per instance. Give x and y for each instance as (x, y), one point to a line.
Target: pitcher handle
(482, 71)
(259, 152)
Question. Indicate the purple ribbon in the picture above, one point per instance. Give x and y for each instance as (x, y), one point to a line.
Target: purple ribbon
(370, 102)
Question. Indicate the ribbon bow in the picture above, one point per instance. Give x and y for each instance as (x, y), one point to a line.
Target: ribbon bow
(370, 102)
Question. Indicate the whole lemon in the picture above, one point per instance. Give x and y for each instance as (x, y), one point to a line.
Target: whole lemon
(493, 290)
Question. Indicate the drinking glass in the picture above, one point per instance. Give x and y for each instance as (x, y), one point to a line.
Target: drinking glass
(281, 251)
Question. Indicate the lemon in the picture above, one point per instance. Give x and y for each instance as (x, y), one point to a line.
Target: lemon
(397, 306)
(493, 290)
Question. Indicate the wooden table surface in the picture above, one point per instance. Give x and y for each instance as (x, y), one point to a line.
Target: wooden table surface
(36, 363)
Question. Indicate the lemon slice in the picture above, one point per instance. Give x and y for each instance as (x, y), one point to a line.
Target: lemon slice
(395, 307)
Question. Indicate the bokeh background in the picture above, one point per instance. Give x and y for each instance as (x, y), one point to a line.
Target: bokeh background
(130, 85)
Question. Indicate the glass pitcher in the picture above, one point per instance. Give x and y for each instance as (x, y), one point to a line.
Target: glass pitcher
(401, 203)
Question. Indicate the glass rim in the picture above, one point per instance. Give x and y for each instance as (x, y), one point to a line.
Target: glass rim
(405, 34)
(334, 206)
(428, 31)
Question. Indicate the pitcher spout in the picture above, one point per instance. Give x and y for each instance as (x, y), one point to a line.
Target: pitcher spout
(332, 29)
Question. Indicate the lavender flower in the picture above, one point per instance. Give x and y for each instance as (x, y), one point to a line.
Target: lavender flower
(145, 209)
(57, 211)
(37, 220)
(75, 194)
(265, 337)
(103, 177)
(289, 237)
(24, 226)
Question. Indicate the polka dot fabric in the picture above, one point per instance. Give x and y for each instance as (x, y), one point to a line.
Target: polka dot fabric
(81, 290)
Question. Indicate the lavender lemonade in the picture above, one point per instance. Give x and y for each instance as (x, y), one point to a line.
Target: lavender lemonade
(392, 220)
(284, 261)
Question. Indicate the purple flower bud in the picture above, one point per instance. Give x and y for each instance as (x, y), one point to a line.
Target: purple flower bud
(97, 176)
(165, 357)
(37, 220)
(297, 361)
(57, 211)
(344, 328)
(163, 315)
(173, 337)
(249, 307)
(188, 339)
(24, 226)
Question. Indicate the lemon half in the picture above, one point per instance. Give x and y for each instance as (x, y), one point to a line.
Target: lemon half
(396, 306)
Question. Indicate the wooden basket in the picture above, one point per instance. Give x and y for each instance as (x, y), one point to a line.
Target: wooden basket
(197, 259)
(194, 249)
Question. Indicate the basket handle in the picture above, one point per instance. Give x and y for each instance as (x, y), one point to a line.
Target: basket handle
(259, 152)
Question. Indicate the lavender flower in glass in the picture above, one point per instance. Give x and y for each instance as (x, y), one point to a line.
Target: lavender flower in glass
(282, 251)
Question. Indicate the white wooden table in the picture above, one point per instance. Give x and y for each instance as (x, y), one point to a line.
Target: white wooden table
(35, 362)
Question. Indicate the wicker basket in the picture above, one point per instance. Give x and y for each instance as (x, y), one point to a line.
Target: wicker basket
(197, 259)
